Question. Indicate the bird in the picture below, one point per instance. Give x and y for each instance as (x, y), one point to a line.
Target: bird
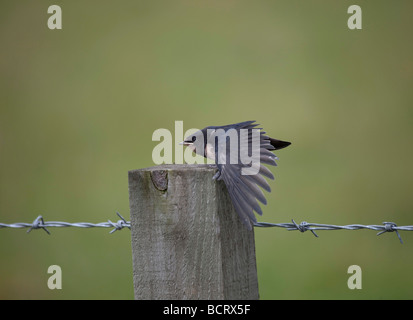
(229, 146)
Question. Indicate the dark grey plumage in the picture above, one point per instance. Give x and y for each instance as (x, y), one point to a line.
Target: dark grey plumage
(215, 142)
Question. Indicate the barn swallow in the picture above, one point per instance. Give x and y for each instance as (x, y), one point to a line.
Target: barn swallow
(215, 142)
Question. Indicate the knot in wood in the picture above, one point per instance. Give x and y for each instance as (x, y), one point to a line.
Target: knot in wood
(160, 179)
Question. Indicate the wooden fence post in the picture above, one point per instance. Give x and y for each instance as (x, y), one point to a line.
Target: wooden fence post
(187, 240)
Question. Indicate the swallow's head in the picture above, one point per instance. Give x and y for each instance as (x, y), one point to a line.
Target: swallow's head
(189, 141)
(196, 141)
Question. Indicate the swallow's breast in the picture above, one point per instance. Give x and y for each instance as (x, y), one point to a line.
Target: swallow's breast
(210, 151)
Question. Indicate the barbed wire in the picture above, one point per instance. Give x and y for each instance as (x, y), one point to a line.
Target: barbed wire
(39, 223)
(305, 226)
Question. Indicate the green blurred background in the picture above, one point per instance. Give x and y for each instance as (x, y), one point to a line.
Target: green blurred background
(78, 107)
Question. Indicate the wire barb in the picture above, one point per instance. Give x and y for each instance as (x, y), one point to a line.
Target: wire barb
(390, 227)
(120, 224)
(302, 227)
(38, 223)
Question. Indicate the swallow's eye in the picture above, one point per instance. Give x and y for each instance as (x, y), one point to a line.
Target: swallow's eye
(193, 138)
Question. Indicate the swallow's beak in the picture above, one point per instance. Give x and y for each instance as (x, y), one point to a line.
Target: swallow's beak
(185, 143)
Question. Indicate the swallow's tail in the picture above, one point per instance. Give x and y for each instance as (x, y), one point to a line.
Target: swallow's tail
(279, 144)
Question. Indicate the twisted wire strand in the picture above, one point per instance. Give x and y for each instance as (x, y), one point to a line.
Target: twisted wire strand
(305, 226)
(39, 223)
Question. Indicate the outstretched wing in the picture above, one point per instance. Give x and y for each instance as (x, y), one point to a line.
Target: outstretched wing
(243, 189)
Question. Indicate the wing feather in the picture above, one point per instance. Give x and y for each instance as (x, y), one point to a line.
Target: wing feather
(245, 190)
